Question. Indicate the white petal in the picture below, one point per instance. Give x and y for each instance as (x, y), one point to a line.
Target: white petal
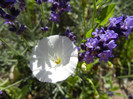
(56, 44)
(63, 72)
(69, 49)
(42, 59)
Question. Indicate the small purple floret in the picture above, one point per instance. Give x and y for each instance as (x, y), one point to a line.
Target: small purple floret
(103, 56)
(44, 29)
(88, 58)
(54, 17)
(122, 25)
(110, 93)
(111, 45)
(0, 92)
(91, 43)
(38, 1)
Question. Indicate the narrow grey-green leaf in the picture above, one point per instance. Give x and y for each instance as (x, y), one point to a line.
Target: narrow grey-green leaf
(106, 13)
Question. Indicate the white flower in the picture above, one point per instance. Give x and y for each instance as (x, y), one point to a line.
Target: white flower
(54, 59)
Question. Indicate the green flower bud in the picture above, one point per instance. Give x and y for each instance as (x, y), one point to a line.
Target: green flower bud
(83, 67)
(110, 64)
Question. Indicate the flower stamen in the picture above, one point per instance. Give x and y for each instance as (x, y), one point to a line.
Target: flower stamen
(58, 61)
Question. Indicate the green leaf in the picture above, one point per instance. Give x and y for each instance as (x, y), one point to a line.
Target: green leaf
(24, 92)
(106, 13)
(99, 2)
(94, 14)
(115, 88)
(118, 94)
(88, 34)
(4, 83)
(105, 96)
(89, 66)
(73, 80)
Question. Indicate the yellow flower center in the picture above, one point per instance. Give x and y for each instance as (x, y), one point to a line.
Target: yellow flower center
(58, 61)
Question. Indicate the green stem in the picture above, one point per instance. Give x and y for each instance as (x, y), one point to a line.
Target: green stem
(15, 83)
(42, 10)
(84, 19)
(35, 28)
(96, 93)
(94, 13)
(28, 13)
(52, 28)
(11, 48)
(126, 76)
(26, 43)
(129, 68)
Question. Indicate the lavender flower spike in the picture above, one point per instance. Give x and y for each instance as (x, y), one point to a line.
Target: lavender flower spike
(103, 56)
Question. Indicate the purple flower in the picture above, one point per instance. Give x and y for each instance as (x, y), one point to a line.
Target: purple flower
(78, 48)
(0, 92)
(128, 22)
(110, 93)
(127, 26)
(10, 0)
(14, 12)
(88, 58)
(44, 29)
(7, 3)
(109, 35)
(122, 25)
(54, 17)
(64, 6)
(10, 17)
(21, 29)
(100, 46)
(54, 6)
(17, 28)
(83, 47)
(22, 4)
(70, 35)
(58, 7)
(97, 49)
(98, 32)
(81, 56)
(38, 1)
(66, 33)
(12, 28)
(105, 39)
(91, 43)
(130, 96)
(2, 13)
(103, 56)
(46, 0)
(111, 45)
(114, 21)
